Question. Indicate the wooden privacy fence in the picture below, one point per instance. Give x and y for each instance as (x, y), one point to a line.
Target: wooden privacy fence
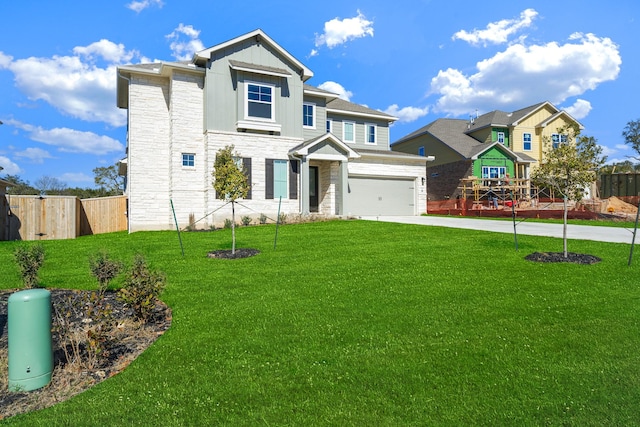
(620, 185)
(61, 217)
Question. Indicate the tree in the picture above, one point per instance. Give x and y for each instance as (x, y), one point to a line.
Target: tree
(108, 179)
(49, 185)
(631, 135)
(230, 183)
(569, 168)
(19, 186)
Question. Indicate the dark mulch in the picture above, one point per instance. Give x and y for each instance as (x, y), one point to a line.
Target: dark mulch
(227, 253)
(559, 257)
(129, 339)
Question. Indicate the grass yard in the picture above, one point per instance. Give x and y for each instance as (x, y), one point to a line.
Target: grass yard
(367, 323)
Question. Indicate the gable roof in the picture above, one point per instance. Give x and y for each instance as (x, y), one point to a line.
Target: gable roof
(303, 149)
(339, 105)
(201, 57)
(453, 134)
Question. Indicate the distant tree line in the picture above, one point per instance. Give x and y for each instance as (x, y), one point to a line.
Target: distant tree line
(107, 180)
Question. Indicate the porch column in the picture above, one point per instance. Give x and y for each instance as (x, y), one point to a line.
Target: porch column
(343, 179)
(304, 185)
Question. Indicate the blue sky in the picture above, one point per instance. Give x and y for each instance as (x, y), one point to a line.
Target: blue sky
(417, 60)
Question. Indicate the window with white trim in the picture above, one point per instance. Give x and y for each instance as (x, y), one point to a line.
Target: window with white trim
(557, 139)
(371, 137)
(259, 101)
(526, 141)
(493, 172)
(501, 137)
(188, 160)
(329, 125)
(308, 115)
(348, 131)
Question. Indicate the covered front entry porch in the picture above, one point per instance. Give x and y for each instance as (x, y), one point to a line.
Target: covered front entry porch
(323, 174)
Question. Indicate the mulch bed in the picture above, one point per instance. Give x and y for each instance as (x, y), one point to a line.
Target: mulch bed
(130, 339)
(239, 253)
(559, 257)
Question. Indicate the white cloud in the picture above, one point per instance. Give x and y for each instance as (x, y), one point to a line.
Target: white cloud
(406, 114)
(523, 75)
(182, 49)
(70, 140)
(82, 85)
(9, 167)
(497, 32)
(336, 88)
(35, 155)
(580, 109)
(337, 32)
(108, 50)
(139, 6)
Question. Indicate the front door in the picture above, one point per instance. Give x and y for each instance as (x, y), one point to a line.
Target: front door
(313, 188)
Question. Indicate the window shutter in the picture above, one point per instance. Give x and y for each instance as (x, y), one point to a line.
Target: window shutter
(294, 171)
(246, 165)
(268, 167)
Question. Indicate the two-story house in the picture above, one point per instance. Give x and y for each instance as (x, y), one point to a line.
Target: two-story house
(488, 150)
(303, 149)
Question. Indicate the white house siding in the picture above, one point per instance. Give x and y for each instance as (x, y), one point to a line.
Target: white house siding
(259, 148)
(188, 185)
(149, 155)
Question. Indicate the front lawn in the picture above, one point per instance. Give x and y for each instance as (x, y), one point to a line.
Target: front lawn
(366, 323)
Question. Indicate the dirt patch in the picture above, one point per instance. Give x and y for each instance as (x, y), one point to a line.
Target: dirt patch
(228, 254)
(126, 341)
(559, 257)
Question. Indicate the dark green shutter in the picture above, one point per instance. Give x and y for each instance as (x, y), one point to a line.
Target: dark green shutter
(268, 168)
(246, 165)
(294, 171)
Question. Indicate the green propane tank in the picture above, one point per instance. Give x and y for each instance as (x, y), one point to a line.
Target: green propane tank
(29, 339)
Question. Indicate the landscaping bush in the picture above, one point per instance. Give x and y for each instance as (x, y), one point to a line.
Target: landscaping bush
(29, 260)
(104, 270)
(141, 288)
(246, 220)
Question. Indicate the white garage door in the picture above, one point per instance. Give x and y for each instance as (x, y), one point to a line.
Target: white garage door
(381, 196)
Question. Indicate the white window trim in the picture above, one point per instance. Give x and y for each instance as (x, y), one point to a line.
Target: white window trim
(187, 166)
(344, 123)
(247, 117)
(313, 116)
(375, 134)
(498, 134)
(524, 147)
(330, 125)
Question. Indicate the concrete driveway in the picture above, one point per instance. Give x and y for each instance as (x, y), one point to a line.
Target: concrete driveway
(579, 232)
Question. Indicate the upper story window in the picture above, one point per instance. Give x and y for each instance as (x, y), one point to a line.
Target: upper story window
(421, 150)
(259, 100)
(349, 132)
(557, 139)
(371, 134)
(308, 115)
(329, 125)
(526, 140)
(501, 137)
(188, 160)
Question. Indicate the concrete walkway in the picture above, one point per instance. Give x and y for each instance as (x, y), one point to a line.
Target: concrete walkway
(580, 232)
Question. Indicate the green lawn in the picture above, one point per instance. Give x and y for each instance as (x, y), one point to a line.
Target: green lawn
(367, 323)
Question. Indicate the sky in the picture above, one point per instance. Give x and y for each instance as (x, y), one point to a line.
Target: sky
(418, 60)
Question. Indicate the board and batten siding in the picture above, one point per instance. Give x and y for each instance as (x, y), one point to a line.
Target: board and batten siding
(224, 99)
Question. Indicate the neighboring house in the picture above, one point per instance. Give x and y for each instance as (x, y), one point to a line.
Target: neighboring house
(486, 148)
(303, 149)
